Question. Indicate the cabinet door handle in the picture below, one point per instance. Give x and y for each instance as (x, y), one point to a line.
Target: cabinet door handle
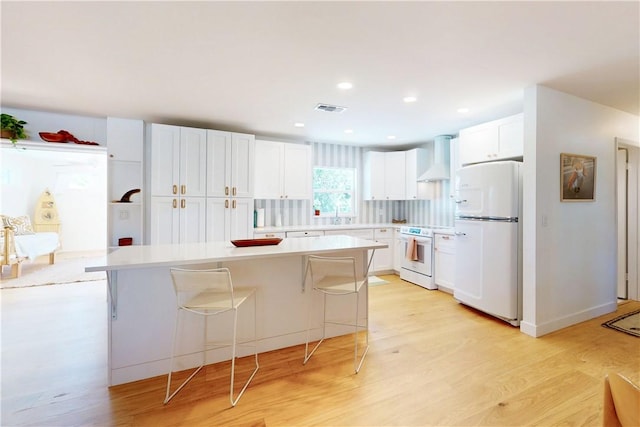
(226, 191)
(226, 204)
(233, 204)
(175, 189)
(459, 233)
(183, 189)
(461, 201)
(234, 191)
(446, 237)
(183, 203)
(175, 203)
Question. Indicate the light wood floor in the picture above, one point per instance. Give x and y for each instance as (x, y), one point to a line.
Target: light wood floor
(432, 362)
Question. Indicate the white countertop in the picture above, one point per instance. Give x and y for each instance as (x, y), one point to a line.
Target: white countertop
(284, 229)
(144, 256)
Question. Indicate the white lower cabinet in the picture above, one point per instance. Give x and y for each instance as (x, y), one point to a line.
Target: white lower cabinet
(177, 220)
(445, 261)
(229, 219)
(398, 251)
(383, 258)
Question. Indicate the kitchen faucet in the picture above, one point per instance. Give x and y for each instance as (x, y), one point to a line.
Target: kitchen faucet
(337, 220)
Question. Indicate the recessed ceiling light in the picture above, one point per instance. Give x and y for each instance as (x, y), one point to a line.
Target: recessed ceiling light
(391, 137)
(299, 125)
(348, 131)
(344, 85)
(463, 110)
(409, 99)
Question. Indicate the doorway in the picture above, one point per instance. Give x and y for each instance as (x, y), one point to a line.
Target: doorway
(78, 180)
(627, 165)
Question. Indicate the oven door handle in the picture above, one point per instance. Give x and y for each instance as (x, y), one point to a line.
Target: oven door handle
(419, 239)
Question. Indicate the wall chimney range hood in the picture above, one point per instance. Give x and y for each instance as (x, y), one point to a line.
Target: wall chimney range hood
(439, 170)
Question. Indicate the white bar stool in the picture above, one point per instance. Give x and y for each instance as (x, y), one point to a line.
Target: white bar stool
(337, 276)
(209, 293)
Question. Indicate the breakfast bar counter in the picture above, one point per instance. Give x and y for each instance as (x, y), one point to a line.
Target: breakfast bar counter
(142, 304)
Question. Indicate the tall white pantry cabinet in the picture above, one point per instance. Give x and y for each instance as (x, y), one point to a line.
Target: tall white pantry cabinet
(178, 184)
(201, 185)
(230, 176)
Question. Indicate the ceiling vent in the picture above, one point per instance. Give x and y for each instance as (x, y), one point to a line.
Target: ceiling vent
(330, 108)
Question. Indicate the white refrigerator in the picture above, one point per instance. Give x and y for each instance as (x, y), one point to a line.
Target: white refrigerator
(488, 232)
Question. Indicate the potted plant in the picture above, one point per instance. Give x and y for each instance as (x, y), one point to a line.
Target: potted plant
(12, 128)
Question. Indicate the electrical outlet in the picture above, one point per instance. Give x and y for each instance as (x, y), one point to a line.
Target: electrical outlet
(124, 214)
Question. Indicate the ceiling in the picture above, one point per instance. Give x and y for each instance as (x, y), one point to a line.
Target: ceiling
(259, 67)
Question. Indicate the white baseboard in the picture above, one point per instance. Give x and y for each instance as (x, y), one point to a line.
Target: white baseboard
(538, 330)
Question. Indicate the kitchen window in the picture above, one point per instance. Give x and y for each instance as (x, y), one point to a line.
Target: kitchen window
(334, 191)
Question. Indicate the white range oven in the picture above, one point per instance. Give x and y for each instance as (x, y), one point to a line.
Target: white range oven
(417, 261)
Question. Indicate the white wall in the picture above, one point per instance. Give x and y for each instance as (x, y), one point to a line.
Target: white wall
(569, 268)
(78, 182)
(84, 128)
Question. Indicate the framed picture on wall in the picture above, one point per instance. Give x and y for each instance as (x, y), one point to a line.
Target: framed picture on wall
(577, 178)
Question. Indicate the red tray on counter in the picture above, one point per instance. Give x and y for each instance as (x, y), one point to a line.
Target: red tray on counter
(256, 242)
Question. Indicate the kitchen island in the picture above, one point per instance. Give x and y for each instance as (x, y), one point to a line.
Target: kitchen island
(142, 307)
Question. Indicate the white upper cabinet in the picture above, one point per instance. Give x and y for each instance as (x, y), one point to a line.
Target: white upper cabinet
(496, 140)
(124, 139)
(374, 180)
(395, 175)
(230, 158)
(297, 171)
(283, 171)
(242, 164)
(479, 144)
(178, 161)
(511, 137)
(269, 167)
(193, 162)
(165, 160)
(384, 175)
